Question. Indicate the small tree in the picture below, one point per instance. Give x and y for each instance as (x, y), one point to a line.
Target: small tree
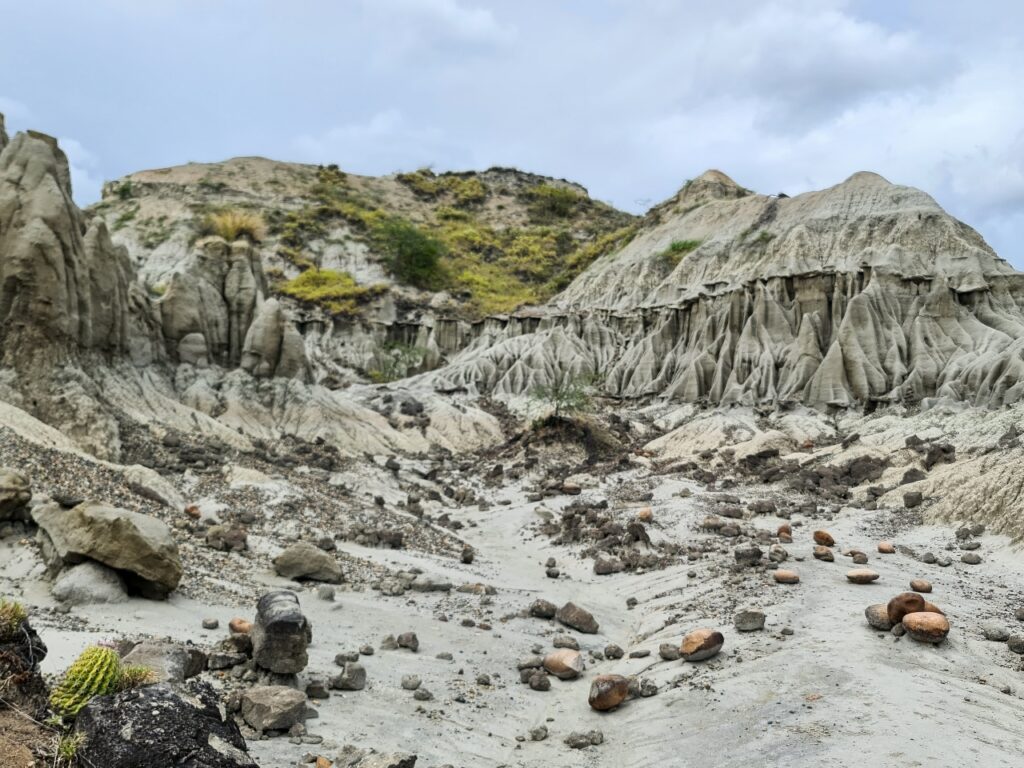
(566, 395)
(413, 256)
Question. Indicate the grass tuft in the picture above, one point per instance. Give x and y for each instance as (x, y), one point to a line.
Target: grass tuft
(232, 225)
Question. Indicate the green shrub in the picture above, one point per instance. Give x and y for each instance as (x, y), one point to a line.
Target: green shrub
(12, 615)
(567, 394)
(231, 225)
(134, 676)
(413, 256)
(337, 292)
(548, 202)
(675, 252)
(97, 672)
(396, 361)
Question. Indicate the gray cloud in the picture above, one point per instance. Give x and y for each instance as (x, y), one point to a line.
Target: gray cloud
(629, 97)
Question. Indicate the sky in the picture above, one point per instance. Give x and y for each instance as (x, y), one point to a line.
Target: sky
(628, 97)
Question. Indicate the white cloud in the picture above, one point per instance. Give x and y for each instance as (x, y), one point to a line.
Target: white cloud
(86, 181)
(446, 18)
(385, 142)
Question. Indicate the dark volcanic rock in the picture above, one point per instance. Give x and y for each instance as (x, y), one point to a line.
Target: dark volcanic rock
(281, 633)
(160, 726)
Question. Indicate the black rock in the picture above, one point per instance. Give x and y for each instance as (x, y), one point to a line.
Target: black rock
(160, 726)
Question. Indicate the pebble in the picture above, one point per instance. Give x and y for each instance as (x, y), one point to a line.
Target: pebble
(994, 631)
(701, 644)
(824, 538)
(970, 558)
(861, 576)
(784, 576)
(410, 682)
(921, 585)
(750, 620)
(210, 623)
(613, 651)
(822, 552)
(580, 740)
(886, 548)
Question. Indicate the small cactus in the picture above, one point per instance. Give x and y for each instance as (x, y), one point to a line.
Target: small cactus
(135, 677)
(12, 615)
(96, 672)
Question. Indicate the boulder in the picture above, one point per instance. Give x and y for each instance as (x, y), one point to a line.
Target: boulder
(926, 627)
(543, 609)
(608, 691)
(306, 561)
(171, 662)
(878, 617)
(351, 678)
(574, 617)
(141, 548)
(701, 644)
(861, 576)
(565, 663)
(15, 493)
(161, 725)
(280, 634)
(151, 485)
(750, 620)
(273, 707)
(88, 583)
(785, 576)
(902, 604)
(824, 538)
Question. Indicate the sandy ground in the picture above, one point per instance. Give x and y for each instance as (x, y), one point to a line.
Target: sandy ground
(833, 691)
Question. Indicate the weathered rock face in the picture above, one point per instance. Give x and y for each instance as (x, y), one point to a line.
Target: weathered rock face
(21, 683)
(280, 634)
(160, 725)
(15, 493)
(139, 547)
(864, 292)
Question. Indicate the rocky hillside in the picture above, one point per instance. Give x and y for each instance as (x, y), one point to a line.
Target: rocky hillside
(862, 293)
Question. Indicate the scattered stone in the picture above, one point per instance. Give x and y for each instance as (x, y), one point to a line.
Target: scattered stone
(861, 576)
(89, 583)
(669, 651)
(281, 633)
(784, 576)
(613, 651)
(304, 561)
(970, 558)
(750, 620)
(240, 626)
(1015, 643)
(701, 644)
(210, 623)
(565, 664)
(170, 662)
(410, 682)
(608, 691)
(539, 681)
(408, 640)
(902, 604)
(539, 733)
(878, 617)
(543, 609)
(351, 678)
(921, 585)
(565, 641)
(272, 707)
(995, 632)
(822, 552)
(912, 499)
(748, 555)
(574, 617)
(580, 740)
(824, 538)
(926, 627)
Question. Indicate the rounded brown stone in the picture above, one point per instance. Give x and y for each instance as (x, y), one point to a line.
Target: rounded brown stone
(902, 604)
(921, 585)
(886, 548)
(565, 663)
(240, 626)
(785, 530)
(786, 576)
(926, 627)
(878, 617)
(933, 608)
(824, 538)
(823, 553)
(861, 576)
(608, 691)
(645, 515)
(701, 644)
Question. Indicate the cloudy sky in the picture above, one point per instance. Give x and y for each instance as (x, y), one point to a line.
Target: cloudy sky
(628, 97)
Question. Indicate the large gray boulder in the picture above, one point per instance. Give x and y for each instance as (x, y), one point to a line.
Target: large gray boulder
(15, 493)
(171, 662)
(89, 583)
(160, 726)
(280, 634)
(273, 707)
(304, 561)
(139, 547)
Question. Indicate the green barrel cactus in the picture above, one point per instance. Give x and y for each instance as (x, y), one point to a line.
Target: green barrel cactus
(97, 672)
